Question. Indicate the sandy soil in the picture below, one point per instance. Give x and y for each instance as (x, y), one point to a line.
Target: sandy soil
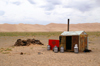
(48, 28)
(36, 55)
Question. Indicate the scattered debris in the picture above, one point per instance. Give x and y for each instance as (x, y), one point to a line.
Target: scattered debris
(21, 53)
(27, 42)
(40, 53)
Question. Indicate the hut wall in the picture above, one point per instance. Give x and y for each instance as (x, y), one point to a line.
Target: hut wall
(62, 42)
(87, 41)
(83, 42)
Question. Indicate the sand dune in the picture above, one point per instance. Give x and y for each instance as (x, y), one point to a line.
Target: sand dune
(49, 27)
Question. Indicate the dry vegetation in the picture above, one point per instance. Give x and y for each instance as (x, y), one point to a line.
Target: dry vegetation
(5, 50)
(97, 34)
(30, 33)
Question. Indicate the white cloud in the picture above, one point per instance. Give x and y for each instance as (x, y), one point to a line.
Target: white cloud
(31, 1)
(17, 3)
(46, 11)
(2, 13)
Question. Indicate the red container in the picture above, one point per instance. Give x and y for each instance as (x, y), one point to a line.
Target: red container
(53, 43)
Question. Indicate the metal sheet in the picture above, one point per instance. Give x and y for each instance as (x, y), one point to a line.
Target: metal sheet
(72, 33)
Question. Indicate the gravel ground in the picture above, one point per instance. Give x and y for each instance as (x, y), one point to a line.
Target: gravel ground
(37, 55)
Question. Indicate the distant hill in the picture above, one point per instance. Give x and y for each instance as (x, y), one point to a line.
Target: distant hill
(49, 27)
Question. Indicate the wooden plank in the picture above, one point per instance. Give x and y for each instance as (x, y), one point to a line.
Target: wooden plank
(83, 42)
(62, 42)
(75, 40)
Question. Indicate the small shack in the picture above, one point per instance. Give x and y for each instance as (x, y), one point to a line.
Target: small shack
(68, 39)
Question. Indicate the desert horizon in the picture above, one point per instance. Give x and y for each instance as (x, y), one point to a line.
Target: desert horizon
(52, 27)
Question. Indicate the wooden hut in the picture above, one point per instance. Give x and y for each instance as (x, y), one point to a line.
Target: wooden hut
(68, 39)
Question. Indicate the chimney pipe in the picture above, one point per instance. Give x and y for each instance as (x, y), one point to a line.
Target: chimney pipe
(68, 25)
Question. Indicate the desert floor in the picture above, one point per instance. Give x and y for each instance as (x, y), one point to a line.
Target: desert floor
(37, 55)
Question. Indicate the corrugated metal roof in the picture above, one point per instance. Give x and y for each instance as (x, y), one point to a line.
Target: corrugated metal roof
(72, 32)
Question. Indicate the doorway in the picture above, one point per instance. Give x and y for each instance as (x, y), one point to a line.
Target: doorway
(68, 42)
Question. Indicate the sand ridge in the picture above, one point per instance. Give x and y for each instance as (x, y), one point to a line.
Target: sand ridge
(48, 28)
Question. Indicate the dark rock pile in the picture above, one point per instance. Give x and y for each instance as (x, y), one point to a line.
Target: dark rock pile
(27, 42)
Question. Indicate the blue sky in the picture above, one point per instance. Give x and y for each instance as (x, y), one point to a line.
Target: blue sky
(49, 11)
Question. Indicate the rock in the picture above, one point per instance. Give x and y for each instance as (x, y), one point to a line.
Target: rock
(21, 53)
(40, 53)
